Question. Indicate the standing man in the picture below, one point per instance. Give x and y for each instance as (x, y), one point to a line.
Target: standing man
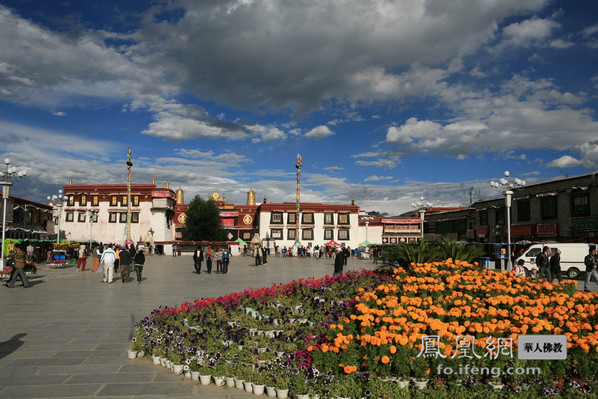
(544, 264)
(174, 249)
(590, 262)
(555, 266)
(95, 257)
(81, 262)
(225, 259)
(209, 256)
(258, 255)
(197, 259)
(108, 259)
(139, 261)
(125, 264)
(19, 268)
(346, 254)
(339, 262)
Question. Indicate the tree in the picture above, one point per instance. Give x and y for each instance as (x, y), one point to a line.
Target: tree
(203, 221)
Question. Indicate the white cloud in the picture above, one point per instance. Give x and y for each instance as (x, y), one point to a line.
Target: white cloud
(525, 32)
(566, 161)
(561, 44)
(378, 178)
(319, 132)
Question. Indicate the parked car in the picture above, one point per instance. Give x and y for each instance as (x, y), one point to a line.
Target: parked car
(572, 255)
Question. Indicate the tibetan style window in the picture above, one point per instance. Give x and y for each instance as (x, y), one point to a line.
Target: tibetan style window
(329, 234)
(548, 207)
(124, 200)
(276, 218)
(135, 200)
(343, 234)
(81, 217)
(71, 200)
(328, 218)
(123, 217)
(276, 234)
(70, 216)
(307, 234)
(307, 218)
(135, 217)
(114, 200)
(580, 203)
(112, 217)
(484, 218)
(290, 234)
(291, 218)
(95, 200)
(83, 200)
(523, 210)
(343, 218)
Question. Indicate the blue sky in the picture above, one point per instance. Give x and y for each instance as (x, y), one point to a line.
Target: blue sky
(387, 101)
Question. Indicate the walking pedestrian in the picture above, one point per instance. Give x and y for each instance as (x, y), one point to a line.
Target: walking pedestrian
(95, 257)
(225, 259)
(125, 265)
(197, 259)
(19, 268)
(139, 262)
(258, 255)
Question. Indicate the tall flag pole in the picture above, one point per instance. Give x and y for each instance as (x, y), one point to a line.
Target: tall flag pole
(129, 165)
(298, 166)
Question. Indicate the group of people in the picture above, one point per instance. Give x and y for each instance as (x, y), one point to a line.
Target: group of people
(219, 254)
(547, 267)
(113, 258)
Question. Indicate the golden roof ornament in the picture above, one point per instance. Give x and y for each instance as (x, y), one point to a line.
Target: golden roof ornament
(180, 196)
(251, 197)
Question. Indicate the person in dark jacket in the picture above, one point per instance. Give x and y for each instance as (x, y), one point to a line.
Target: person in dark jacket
(197, 259)
(555, 266)
(339, 262)
(125, 264)
(590, 262)
(543, 264)
(139, 261)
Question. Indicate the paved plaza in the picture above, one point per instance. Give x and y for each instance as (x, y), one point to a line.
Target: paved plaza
(67, 336)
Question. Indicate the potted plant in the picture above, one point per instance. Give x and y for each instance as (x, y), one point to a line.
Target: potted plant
(298, 385)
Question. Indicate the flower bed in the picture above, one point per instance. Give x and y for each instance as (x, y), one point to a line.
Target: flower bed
(344, 335)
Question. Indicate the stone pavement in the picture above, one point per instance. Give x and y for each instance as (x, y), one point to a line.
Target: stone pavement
(67, 336)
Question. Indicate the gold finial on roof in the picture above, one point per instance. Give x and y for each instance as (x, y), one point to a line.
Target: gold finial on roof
(180, 196)
(70, 181)
(251, 197)
(166, 185)
(153, 179)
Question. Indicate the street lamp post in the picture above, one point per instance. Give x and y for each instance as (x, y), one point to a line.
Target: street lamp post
(367, 220)
(10, 172)
(507, 185)
(58, 201)
(422, 207)
(92, 214)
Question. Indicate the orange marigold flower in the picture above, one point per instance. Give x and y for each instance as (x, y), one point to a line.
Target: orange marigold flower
(385, 359)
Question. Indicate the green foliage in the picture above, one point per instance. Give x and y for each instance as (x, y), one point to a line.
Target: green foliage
(203, 221)
(413, 252)
(422, 252)
(452, 249)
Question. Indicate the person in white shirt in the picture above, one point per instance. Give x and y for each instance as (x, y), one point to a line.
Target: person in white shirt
(519, 270)
(108, 259)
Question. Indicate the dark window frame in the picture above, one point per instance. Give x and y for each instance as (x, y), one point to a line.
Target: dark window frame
(340, 234)
(276, 218)
(523, 210)
(549, 208)
(343, 218)
(307, 218)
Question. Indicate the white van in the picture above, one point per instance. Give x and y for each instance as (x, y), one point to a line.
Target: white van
(572, 256)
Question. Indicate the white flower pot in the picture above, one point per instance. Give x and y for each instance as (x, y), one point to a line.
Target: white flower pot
(248, 386)
(205, 379)
(271, 392)
(132, 354)
(219, 381)
(230, 382)
(282, 393)
(188, 374)
(195, 375)
(420, 384)
(239, 384)
(156, 359)
(258, 389)
(177, 369)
